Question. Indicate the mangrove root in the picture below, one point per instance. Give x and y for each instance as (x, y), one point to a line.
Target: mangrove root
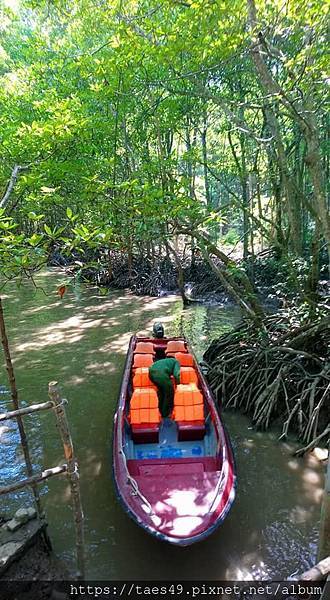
(277, 374)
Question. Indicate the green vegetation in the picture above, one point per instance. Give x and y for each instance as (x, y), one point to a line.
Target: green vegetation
(153, 129)
(152, 141)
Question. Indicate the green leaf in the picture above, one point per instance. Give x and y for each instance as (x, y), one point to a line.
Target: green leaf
(48, 230)
(34, 217)
(46, 190)
(35, 239)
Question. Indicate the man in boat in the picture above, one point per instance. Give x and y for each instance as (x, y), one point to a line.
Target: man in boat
(160, 374)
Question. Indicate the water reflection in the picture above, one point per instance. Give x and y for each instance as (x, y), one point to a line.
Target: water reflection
(82, 341)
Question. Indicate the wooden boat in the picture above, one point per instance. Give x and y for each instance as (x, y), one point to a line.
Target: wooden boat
(174, 477)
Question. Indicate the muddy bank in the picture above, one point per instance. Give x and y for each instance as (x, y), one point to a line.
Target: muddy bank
(159, 277)
(28, 566)
(38, 563)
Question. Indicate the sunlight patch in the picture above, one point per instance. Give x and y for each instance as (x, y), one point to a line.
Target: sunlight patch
(185, 525)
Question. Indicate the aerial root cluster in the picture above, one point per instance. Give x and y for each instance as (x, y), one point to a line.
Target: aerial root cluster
(144, 276)
(278, 374)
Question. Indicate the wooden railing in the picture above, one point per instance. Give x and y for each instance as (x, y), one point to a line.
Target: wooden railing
(70, 467)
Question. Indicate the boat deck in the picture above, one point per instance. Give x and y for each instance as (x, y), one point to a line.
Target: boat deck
(169, 446)
(180, 492)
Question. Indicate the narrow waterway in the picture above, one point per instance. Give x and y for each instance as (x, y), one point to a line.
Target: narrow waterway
(81, 341)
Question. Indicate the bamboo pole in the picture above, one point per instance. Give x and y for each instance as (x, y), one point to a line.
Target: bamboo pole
(30, 481)
(324, 540)
(325, 595)
(72, 473)
(26, 411)
(14, 397)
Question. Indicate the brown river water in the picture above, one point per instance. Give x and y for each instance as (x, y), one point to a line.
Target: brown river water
(81, 341)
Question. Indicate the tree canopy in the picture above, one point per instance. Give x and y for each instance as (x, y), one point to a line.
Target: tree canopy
(126, 124)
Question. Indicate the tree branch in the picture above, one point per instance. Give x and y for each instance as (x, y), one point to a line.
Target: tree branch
(11, 184)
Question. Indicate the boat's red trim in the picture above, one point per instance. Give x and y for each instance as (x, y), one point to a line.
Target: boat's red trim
(155, 502)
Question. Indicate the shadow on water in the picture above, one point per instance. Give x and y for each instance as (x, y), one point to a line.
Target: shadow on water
(82, 341)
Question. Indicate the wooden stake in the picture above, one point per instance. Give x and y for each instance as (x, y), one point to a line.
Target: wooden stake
(72, 474)
(14, 397)
(324, 540)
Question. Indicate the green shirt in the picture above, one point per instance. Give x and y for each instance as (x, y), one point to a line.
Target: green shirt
(167, 367)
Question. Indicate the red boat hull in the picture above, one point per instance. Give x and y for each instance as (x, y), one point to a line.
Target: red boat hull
(180, 500)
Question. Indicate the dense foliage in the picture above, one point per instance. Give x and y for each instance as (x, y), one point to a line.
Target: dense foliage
(154, 127)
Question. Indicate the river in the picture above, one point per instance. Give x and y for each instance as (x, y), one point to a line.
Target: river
(81, 341)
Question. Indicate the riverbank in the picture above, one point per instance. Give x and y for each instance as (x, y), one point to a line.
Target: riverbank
(192, 277)
(277, 374)
(28, 566)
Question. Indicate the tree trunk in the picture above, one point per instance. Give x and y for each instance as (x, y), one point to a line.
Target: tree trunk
(14, 397)
(180, 280)
(189, 162)
(291, 195)
(302, 114)
(314, 165)
(245, 198)
(233, 275)
(204, 151)
(11, 184)
(314, 273)
(130, 258)
(232, 289)
(244, 177)
(324, 540)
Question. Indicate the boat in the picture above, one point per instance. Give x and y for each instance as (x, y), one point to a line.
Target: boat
(175, 477)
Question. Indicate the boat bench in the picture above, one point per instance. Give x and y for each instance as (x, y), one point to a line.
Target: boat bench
(189, 431)
(188, 410)
(172, 466)
(145, 433)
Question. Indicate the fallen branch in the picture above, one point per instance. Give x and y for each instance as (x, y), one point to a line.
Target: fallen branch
(314, 442)
(317, 573)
